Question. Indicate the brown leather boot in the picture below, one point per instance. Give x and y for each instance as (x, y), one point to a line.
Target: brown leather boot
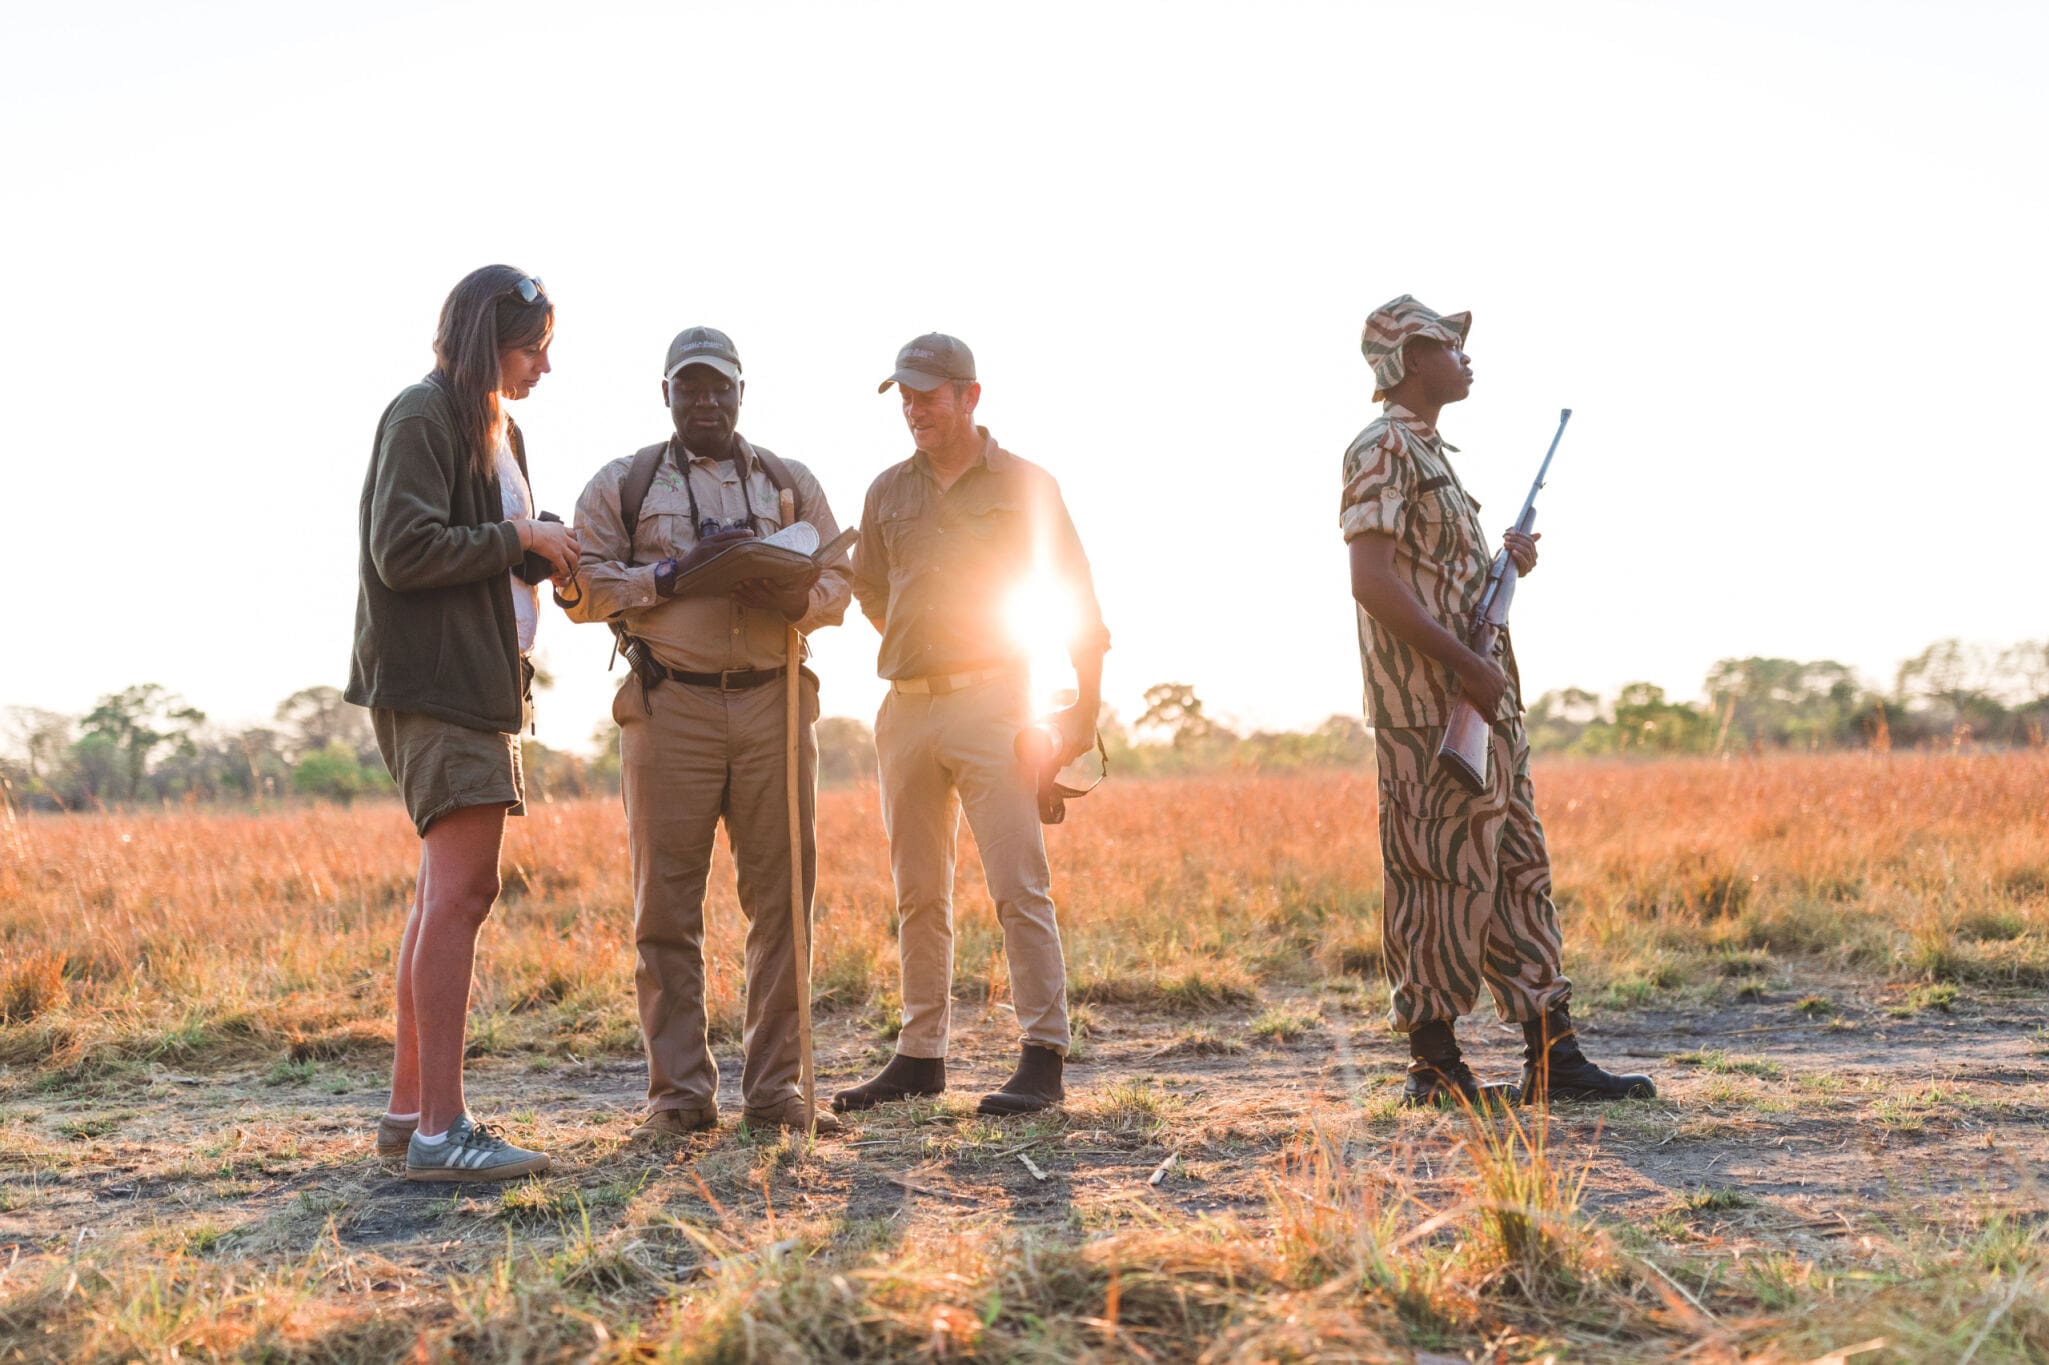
(1035, 1085)
(902, 1079)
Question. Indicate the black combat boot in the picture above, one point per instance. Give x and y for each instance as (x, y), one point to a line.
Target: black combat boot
(903, 1078)
(1438, 1075)
(1035, 1085)
(1554, 1069)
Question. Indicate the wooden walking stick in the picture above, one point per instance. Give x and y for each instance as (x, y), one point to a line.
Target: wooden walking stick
(800, 929)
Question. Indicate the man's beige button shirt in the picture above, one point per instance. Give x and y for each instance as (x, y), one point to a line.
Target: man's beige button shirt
(938, 566)
(1399, 483)
(695, 634)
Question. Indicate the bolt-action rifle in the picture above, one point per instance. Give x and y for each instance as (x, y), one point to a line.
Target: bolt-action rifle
(1463, 753)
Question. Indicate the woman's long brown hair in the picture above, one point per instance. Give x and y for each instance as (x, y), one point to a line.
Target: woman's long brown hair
(483, 316)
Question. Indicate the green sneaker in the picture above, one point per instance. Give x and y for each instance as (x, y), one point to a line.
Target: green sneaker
(472, 1152)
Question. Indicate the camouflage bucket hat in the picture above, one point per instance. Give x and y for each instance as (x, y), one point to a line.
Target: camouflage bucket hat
(1391, 326)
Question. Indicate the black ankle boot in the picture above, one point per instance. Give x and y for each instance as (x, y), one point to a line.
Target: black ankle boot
(1555, 1069)
(1438, 1075)
(1035, 1085)
(900, 1080)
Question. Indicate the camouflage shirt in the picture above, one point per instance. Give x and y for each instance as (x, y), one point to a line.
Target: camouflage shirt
(1399, 483)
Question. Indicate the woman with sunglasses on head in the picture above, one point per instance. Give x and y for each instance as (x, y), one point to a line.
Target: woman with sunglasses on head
(452, 556)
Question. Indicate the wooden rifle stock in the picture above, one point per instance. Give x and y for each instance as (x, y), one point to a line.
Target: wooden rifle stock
(1463, 751)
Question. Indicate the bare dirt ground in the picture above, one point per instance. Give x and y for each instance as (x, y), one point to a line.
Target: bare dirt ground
(1776, 1129)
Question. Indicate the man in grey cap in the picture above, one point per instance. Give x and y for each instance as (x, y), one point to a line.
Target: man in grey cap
(948, 536)
(702, 731)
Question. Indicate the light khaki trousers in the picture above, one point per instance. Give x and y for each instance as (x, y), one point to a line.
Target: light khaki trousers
(701, 757)
(939, 756)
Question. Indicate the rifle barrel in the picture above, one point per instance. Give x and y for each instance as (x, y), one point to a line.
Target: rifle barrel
(1564, 416)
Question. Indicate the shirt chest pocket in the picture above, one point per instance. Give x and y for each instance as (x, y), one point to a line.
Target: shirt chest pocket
(995, 522)
(664, 529)
(898, 527)
(1442, 523)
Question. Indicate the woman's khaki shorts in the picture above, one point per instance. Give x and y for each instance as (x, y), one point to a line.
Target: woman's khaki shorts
(441, 766)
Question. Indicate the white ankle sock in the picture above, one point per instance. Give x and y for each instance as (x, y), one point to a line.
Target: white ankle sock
(435, 1141)
(413, 1117)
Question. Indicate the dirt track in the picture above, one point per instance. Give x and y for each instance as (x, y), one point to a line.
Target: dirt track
(1777, 1127)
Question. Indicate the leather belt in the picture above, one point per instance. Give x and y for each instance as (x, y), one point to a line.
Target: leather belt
(732, 680)
(939, 684)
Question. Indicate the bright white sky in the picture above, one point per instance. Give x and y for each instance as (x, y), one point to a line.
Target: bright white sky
(1783, 260)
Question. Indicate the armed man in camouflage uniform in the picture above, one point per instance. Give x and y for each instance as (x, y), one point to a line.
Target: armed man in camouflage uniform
(1467, 878)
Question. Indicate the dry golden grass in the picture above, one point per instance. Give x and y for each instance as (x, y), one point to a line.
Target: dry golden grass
(210, 937)
(193, 1022)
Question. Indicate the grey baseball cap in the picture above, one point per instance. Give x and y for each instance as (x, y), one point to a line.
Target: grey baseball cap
(702, 346)
(929, 361)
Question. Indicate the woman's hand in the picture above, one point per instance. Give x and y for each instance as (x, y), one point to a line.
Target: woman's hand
(555, 542)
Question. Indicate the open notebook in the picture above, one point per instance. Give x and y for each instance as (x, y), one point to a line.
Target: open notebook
(790, 553)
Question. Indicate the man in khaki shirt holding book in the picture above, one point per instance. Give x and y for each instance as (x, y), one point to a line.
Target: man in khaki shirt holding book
(947, 537)
(705, 741)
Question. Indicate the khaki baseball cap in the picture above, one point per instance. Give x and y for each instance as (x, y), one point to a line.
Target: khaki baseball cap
(929, 361)
(1392, 325)
(702, 346)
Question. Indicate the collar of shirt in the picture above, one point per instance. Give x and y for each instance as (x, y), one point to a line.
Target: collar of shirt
(1395, 412)
(743, 462)
(992, 457)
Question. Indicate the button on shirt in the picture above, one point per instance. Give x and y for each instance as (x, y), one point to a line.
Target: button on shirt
(696, 634)
(1399, 482)
(938, 566)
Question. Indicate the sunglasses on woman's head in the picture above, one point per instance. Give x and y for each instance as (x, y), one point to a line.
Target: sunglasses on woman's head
(528, 289)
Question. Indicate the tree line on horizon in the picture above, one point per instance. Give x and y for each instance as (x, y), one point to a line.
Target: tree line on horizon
(146, 744)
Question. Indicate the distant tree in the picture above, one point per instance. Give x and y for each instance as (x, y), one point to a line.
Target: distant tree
(138, 722)
(1644, 720)
(1558, 719)
(1175, 708)
(40, 737)
(2024, 671)
(261, 768)
(315, 717)
(334, 773)
(1760, 702)
(1957, 686)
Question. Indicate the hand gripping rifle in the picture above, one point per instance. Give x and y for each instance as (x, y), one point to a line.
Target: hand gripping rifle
(1463, 753)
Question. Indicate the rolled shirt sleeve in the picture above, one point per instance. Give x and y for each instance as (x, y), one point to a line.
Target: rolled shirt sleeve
(609, 583)
(1376, 488)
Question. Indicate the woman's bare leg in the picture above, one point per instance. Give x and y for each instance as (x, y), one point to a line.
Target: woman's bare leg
(459, 884)
(405, 1058)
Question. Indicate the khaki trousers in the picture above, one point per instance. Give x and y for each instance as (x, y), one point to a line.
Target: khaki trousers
(704, 756)
(1468, 884)
(939, 756)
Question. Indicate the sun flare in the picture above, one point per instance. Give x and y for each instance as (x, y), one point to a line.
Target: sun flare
(1041, 617)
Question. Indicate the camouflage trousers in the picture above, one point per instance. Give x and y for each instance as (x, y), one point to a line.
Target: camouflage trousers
(1468, 884)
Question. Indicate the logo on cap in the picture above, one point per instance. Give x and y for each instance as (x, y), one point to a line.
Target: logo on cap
(928, 361)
